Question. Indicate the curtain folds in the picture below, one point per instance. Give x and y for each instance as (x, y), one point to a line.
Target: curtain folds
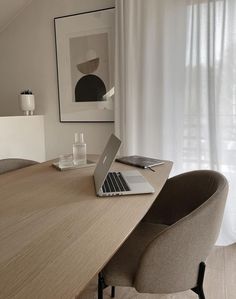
(176, 86)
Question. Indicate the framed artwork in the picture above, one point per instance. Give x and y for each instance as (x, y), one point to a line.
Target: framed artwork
(85, 66)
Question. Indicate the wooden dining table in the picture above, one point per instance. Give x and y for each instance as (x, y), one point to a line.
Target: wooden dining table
(56, 234)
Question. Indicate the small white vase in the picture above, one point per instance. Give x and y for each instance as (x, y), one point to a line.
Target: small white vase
(27, 103)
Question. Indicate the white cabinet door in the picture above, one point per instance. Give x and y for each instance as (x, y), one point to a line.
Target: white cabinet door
(22, 137)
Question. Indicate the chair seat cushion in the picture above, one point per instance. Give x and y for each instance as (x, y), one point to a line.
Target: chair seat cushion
(121, 269)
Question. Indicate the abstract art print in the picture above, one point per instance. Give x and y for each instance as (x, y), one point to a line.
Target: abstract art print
(85, 66)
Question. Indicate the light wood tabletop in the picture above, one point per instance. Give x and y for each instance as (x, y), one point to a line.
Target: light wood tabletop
(55, 234)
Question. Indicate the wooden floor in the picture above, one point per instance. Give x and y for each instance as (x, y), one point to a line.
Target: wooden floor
(220, 280)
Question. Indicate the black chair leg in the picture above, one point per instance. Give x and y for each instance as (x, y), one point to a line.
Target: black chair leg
(101, 285)
(112, 292)
(199, 288)
(201, 295)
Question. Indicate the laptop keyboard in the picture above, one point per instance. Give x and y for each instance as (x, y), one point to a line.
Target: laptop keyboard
(114, 182)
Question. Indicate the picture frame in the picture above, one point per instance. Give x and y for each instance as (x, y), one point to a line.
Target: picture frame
(85, 65)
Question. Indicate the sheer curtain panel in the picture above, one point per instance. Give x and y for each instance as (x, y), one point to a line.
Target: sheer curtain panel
(176, 86)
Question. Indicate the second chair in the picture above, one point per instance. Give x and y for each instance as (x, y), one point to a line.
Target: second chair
(11, 164)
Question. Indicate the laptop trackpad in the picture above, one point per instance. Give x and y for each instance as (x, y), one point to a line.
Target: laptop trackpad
(134, 179)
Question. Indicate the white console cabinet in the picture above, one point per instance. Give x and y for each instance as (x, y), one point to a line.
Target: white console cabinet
(22, 137)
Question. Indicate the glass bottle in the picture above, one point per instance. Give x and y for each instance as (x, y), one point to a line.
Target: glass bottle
(79, 150)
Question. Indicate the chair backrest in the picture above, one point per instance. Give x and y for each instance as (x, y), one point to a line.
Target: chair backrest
(11, 164)
(171, 261)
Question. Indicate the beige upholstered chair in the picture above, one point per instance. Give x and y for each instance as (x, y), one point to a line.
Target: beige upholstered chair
(166, 252)
(10, 164)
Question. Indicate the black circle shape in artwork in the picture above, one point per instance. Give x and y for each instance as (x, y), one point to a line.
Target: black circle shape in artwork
(90, 88)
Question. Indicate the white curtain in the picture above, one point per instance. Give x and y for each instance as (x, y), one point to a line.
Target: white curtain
(176, 86)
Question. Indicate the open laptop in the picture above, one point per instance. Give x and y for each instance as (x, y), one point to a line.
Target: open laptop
(117, 183)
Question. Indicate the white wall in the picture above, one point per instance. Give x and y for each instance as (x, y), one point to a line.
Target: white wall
(28, 60)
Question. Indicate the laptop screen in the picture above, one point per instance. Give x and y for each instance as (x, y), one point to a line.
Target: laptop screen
(105, 161)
